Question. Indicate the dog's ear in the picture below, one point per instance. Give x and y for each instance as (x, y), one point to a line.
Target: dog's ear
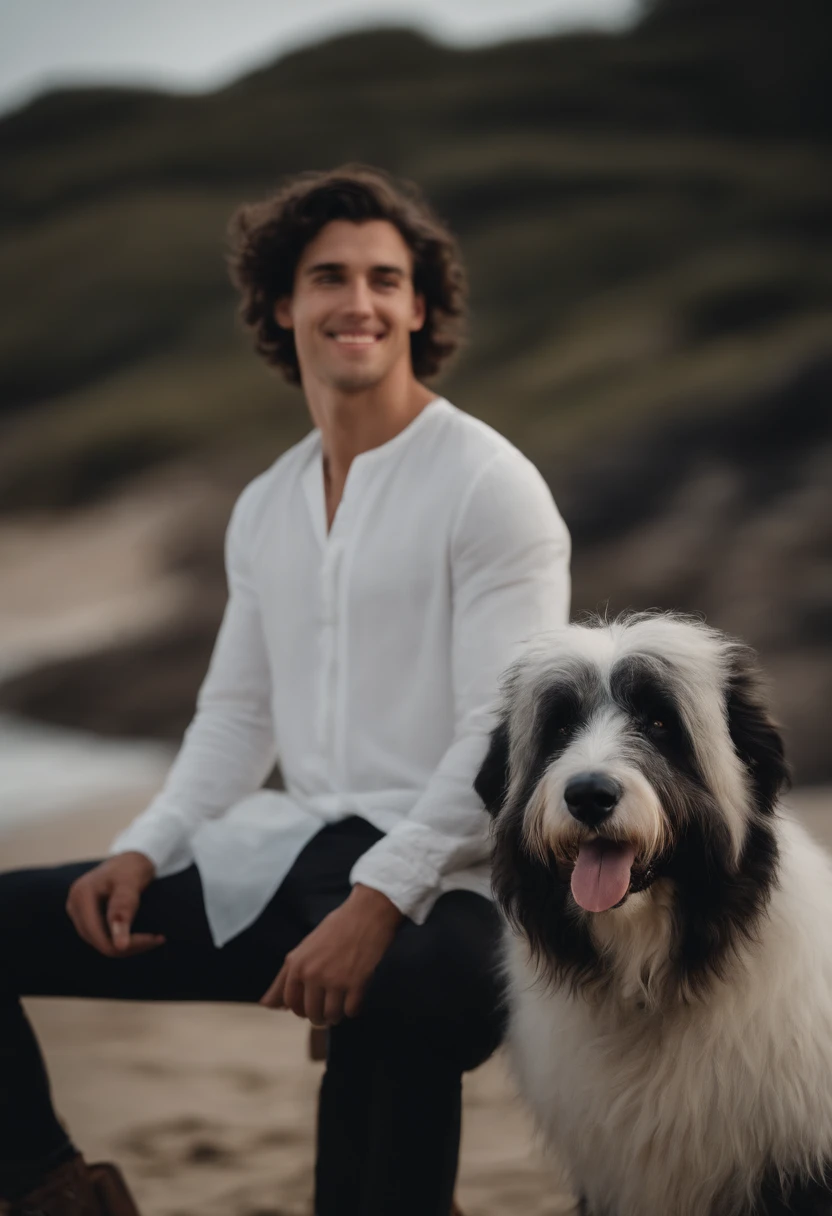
(756, 738)
(491, 782)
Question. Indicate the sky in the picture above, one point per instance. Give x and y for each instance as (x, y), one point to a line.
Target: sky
(196, 45)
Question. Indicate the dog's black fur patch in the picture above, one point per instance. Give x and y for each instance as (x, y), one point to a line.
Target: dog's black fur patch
(642, 688)
(790, 1196)
(794, 1196)
(491, 782)
(756, 739)
(530, 891)
(718, 906)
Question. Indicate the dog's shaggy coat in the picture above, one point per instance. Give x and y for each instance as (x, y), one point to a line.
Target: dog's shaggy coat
(676, 1044)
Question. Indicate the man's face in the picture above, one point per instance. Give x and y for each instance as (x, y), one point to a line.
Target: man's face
(353, 307)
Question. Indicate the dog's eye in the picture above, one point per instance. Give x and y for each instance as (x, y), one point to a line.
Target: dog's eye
(659, 728)
(654, 725)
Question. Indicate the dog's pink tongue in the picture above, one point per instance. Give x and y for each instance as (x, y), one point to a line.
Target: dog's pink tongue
(601, 876)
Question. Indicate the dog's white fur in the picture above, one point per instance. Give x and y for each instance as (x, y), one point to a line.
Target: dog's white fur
(672, 1107)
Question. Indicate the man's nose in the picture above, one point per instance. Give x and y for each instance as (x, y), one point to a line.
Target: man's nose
(358, 297)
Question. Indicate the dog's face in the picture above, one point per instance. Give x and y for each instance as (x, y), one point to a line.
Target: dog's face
(628, 753)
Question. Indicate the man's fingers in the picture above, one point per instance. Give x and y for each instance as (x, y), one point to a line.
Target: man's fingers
(353, 1001)
(140, 943)
(89, 921)
(121, 910)
(273, 997)
(334, 1006)
(314, 998)
(293, 996)
(120, 933)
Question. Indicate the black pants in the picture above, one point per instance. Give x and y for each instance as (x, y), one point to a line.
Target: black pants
(389, 1112)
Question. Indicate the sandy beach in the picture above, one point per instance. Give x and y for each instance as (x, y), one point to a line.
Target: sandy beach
(210, 1109)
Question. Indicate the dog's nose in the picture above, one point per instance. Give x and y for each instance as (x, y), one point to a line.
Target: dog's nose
(591, 797)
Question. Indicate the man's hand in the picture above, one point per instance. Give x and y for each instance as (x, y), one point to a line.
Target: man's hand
(103, 902)
(324, 978)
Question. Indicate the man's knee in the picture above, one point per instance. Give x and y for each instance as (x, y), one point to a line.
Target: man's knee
(446, 968)
(402, 1043)
(38, 890)
(32, 913)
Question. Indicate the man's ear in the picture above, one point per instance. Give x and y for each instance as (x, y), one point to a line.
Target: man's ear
(755, 736)
(283, 312)
(419, 313)
(491, 782)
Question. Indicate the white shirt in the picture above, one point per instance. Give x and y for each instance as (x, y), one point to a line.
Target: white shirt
(366, 661)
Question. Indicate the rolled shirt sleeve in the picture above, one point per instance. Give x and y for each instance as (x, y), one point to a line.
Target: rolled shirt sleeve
(510, 575)
(229, 748)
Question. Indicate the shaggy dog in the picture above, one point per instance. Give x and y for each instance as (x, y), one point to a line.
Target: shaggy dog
(669, 951)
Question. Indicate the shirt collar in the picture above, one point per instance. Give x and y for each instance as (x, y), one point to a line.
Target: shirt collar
(312, 476)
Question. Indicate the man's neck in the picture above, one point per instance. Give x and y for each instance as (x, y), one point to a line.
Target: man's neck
(352, 423)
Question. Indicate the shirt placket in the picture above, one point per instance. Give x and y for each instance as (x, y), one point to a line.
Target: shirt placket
(330, 586)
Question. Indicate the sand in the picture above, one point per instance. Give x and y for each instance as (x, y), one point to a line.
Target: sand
(210, 1109)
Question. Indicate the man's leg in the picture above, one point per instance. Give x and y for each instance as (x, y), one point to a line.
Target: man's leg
(389, 1121)
(389, 1118)
(434, 999)
(41, 954)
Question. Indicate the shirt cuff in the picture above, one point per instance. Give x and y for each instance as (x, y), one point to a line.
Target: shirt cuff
(408, 882)
(162, 838)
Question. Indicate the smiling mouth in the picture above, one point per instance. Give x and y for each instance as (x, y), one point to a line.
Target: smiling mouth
(605, 872)
(356, 339)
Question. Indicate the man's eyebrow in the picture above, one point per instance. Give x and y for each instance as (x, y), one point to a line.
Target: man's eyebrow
(330, 267)
(321, 267)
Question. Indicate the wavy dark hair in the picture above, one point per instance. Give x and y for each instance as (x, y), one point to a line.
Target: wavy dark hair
(268, 238)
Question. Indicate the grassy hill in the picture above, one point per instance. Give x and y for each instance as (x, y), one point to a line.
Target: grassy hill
(646, 220)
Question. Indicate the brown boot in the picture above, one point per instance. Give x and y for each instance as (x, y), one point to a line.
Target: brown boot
(114, 1199)
(78, 1189)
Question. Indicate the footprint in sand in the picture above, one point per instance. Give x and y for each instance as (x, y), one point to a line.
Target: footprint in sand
(166, 1146)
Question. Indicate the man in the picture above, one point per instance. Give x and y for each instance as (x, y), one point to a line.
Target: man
(381, 575)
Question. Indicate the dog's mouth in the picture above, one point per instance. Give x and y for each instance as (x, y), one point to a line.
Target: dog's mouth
(605, 872)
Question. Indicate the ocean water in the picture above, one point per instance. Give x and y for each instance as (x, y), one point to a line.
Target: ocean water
(47, 771)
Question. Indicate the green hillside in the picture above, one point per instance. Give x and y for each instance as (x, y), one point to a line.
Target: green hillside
(646, 220)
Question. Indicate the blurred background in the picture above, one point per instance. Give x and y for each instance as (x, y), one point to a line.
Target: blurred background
(643, 196)
(646, 213)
